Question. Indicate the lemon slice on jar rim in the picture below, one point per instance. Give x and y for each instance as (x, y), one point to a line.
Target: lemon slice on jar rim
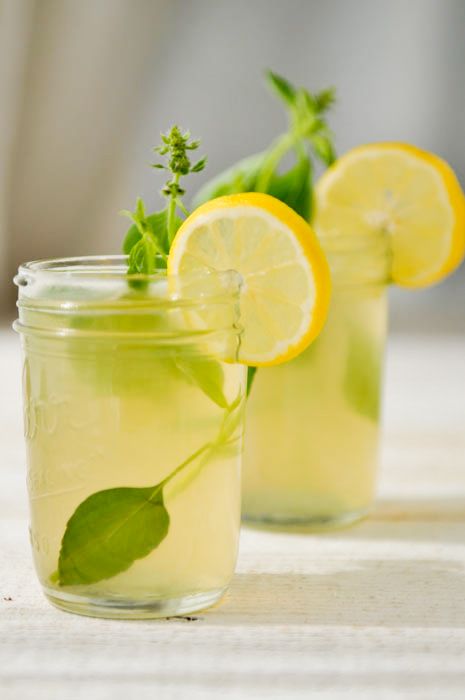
(285, 289)
(410, 194)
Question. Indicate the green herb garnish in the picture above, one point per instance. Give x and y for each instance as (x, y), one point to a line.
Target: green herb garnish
(308, 136)
(148, 241)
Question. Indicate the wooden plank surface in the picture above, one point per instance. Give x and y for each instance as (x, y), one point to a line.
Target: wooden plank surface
(375, 611)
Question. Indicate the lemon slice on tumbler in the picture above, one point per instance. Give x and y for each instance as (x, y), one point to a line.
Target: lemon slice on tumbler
(285, 287)
(411, 195)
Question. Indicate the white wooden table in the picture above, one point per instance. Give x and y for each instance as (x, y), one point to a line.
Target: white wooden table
(373, 612)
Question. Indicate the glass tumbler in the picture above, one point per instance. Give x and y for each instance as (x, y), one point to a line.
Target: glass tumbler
(313, 423)
(133, 427)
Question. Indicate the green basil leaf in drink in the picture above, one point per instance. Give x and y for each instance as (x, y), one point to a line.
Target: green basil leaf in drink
(205, 373)
(250, 377)
(109, 531)
(362, 377)
(112, 529)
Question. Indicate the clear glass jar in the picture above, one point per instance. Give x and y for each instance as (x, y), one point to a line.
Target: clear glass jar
(134, 435)
(313, 423)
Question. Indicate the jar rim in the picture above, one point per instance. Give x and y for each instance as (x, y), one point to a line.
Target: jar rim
(92, 297)
(104, 267)
(107, 276)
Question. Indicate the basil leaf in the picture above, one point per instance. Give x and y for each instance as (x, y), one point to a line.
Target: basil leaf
(109, 531)
(325, 99)
(142, 256)
(282, 87)
(294, 187)
(157, 224)
(324, 149)
(250, 377)
(205, 373)
(241, 177)
(362, 379)
(133, 236)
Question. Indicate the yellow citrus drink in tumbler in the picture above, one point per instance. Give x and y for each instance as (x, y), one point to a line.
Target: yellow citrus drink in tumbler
(312, 447)
(385, 212)
(134, 432)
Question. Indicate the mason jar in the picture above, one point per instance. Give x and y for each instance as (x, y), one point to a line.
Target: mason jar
(133, 425)
(311, 452)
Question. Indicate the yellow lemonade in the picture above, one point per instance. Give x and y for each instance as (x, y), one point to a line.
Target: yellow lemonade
(313, 423)
(119, 398)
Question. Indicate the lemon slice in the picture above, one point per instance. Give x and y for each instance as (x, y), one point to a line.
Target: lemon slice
(285, 277)
(408, 193)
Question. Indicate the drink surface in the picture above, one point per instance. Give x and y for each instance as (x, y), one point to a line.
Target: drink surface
(313, 424)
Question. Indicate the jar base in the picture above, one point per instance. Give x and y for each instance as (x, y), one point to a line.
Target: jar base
(305, 523)
(122, 609)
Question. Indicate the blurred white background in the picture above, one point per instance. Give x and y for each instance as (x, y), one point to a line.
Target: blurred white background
(87, 85)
